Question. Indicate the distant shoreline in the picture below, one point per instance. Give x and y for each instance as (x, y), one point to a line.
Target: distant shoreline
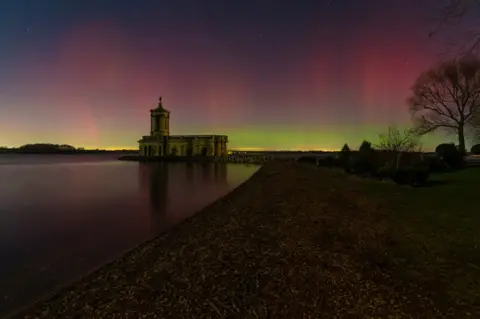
(66, 152)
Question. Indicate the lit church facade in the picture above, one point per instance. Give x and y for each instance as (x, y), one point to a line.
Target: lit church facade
(161, 143)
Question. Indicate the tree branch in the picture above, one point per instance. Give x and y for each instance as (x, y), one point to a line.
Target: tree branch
(447, 96)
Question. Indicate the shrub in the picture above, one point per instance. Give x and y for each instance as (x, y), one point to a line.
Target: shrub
(385, 171)
(308, 160)
(343, 157)
(413, 176)
(364, 162)
(348, 169)
(421, 176)
(339, 162)
(436, 165)
(362, 165)
(475, 149)
(450, 154)
(345, 148)
(401, 177)
(366, 146)
(328, 161)
(366, 152)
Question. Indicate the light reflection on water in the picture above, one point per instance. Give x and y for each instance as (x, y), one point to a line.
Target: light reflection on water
(59, 220)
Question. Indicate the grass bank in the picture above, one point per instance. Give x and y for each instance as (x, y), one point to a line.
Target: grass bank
(293, 241)
(437, 231)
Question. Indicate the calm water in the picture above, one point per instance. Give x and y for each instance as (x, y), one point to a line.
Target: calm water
(62, 215)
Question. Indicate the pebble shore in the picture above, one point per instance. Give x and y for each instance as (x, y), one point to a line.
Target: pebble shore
(291, 242)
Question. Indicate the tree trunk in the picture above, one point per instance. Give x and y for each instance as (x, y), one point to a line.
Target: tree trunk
(461, 140)
(397, 160)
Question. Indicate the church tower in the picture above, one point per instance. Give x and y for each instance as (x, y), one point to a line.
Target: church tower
(159, 121)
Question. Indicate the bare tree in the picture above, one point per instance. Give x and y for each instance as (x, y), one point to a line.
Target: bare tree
(396, 141)
(448, 97)
(462, 14)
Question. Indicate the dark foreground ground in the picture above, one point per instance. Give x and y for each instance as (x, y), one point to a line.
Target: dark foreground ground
(292, 242)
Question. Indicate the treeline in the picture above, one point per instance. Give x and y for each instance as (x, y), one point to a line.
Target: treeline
(398, 157)
(404, 168)
(48, 148)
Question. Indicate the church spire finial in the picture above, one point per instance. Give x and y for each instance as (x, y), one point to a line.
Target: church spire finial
(160, 105)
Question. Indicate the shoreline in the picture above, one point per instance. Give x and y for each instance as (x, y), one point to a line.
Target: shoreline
(19, 313)
(257, 160)
(292, 240)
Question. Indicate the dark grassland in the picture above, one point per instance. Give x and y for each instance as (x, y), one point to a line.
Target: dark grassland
(296, 241)
(437, 231)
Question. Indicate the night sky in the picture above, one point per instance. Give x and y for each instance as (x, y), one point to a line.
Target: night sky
(270, 74)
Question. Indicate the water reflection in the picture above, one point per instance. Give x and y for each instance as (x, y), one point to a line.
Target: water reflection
(190, 172)
(220, 173)
(159, 188)
(158, 195)
(163, 186)
(59, 220)
(207, 172)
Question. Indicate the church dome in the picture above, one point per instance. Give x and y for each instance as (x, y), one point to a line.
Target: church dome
(160, 108)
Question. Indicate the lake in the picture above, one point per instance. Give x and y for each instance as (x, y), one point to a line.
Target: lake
(63, 215)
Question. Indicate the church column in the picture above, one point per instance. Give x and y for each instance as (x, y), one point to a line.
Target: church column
(152, 124)
(167, 124)
(160, 123)
(211, 148)
(224, 148)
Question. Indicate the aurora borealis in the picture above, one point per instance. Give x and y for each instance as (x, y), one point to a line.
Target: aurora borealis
(270, 74)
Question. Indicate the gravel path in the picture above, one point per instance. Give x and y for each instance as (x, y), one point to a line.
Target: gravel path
(291, 242)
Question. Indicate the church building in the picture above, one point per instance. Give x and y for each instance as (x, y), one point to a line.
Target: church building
(161, 143)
